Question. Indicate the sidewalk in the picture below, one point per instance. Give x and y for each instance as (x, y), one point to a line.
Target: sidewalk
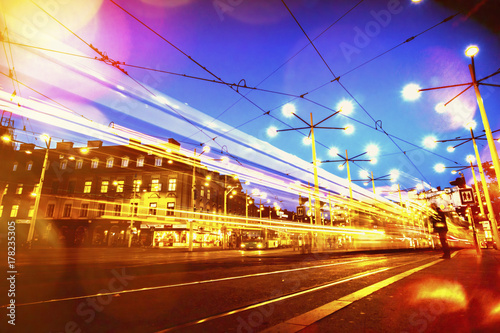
(457, 295)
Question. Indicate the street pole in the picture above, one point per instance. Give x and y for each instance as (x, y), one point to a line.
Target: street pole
(38, 193)
(373, 184)
(476, 186)
(331, 215)
(246, 206)
(225, 216)
(493, 221)
(400, 199)
(134, 190)
(470, 218)
(193, 191)
(486, 124)
(348, 174)
(260, 210)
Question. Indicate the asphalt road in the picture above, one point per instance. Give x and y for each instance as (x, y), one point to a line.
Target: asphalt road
(135, 290)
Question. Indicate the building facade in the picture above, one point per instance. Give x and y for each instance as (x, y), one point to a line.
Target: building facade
(98, 195)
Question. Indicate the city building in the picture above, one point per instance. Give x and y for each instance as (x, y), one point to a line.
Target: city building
(97, 195)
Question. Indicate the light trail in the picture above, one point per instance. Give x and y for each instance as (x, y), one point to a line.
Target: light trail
(195, 282)
(360, 293)
(278, 299)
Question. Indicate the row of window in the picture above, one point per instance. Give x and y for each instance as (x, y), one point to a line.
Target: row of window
(84, 209)
(101, 209)
(15, 209)
(155, 185)
(95, 163)
(120, 184)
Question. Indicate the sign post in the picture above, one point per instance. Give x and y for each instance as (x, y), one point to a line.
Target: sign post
(467, 199)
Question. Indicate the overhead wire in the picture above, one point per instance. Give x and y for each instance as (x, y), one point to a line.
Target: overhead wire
(237, 86)
(268, 113)
(117, 65)
(349, 93)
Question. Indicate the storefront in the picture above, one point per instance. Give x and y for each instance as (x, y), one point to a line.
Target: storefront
(177, 235)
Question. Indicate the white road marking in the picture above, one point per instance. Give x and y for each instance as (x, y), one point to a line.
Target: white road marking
(194, 282)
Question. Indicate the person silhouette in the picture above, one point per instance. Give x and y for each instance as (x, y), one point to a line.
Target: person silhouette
(439, 224)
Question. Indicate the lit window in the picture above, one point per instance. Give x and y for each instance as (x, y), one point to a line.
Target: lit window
(87, 187)
(202, 191)
(50, 210)
(101, 209)
(14, 168)
(170, 208)
(152, 208)
(29, 165)
(119, 186)
(1, 210)
(125, 161)
(19, 189)
(84, 210)
(208, 194)
(118, 209)
(137, 185)
(104, 186)
(158, 161)
(140, 161)
(5, 189)
(95, 163)
(31, 211)
(13, 212)
(155, 185)
(172, 184)
(109, 162)
(79, 164)
(63, 164)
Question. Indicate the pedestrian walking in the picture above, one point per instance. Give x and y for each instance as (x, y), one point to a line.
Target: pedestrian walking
(439, 224)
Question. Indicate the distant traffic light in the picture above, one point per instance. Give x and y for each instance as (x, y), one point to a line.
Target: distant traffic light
(460, 182)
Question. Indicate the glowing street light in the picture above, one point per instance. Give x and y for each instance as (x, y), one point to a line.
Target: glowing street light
(333, 151)
(470, 158)
(345, 161)
(345, 107)
(368, 177)
(430, 142)
(439, 167)
(394, 174)
(289, 110)
(440, 108)
(307, 141)
(471, 51)
(349, 129)
(411, 92)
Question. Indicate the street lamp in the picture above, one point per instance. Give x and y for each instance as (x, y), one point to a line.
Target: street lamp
(206, 149)
(492, 218)
(366, 177)
(345, 161)
(471, 52)
(289, 110)
(228, 190)
(38, 190)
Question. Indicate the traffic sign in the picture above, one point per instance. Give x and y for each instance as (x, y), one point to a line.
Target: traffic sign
(467, 196)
